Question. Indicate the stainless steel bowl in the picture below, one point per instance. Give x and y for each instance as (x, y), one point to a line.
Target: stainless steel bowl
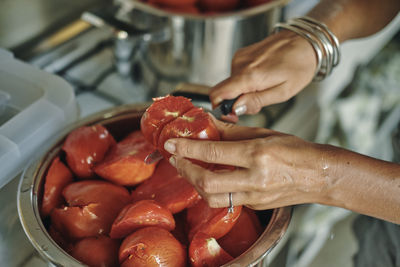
(119, 121)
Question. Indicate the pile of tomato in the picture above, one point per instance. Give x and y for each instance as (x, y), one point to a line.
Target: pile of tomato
(204, 6)
(106, 207)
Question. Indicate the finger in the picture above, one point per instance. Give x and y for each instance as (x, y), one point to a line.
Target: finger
(234, 132)
(255, 101)
(218, 152)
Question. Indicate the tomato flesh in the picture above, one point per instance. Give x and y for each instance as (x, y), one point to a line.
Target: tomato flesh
(141, 214)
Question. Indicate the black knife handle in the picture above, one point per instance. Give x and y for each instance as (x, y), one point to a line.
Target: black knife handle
(227, 104)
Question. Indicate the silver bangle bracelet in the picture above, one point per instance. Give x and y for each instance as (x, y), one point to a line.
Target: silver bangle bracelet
(309, 38)
(333, 37)
(324, 42)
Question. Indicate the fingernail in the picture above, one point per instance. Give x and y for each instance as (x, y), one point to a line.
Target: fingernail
(172, 160)
(169, 146)
(240, 110)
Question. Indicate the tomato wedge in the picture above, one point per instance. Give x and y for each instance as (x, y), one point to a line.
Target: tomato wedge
(205, 251)
(86, 146)
(141, 214)
(243, 234)
(194, 124)
(151, 246)
(162, 111)
(168, 188)
(93, 206)
(100, 251)
(124, 163)
(214, 222)
(57, 177)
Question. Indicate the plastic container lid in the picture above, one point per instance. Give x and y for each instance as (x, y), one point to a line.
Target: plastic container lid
(34, 105)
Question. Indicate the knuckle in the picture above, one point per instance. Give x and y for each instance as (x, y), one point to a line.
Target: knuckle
(205, 184)
(213, 201)
(211, 152)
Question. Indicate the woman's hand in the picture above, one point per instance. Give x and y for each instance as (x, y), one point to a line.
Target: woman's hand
(272, 169)
(268, 72)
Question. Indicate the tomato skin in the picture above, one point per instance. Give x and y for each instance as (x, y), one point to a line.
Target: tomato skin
(174, 3)
(93, 206)
(194, 124)
(162, 111)
(168, 188)
(214, 222)
(151, 246)
(205, 251)
(243, 234)
(84, 147)
(219, 5)
(124, 163)
(57, 177)
(251, 3)
(100, 251)
(139, 215)
(60, 239)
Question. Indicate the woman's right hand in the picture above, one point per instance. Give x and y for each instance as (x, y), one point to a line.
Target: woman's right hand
(268, 72)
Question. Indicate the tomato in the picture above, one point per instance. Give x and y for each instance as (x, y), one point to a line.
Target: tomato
(151, 246)
(173, 2)
(86, 146)
(168, 188)
(251, 3)
(162, 111)
(243, 234)
(205, 251)
(93, 206)
(187, 9)
(141, 214)
(219, 5)
(124, 163)
(214, 222)
(100, 251)
(194, 124)
(57, 177)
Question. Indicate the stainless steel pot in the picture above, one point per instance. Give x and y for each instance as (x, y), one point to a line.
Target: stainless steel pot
(198, 48)
(119, 121)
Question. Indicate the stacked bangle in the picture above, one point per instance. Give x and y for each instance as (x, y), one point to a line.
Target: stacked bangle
(323, 41)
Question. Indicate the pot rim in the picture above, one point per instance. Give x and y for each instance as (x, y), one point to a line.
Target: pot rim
(248, 12)
(30, 186)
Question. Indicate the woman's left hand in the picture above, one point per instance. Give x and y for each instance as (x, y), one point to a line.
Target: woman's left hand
(272, 169)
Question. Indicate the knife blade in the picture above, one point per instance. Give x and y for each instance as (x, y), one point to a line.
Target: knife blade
(224, 108)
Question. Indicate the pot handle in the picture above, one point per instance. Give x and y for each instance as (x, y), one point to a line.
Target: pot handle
(108, 17)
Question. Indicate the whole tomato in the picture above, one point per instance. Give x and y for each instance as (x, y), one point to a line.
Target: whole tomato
(124, 163)
(100, 251)
(162, 111)
(151, 246)
(57, 177)
(86, 146)
(141, 214)
(93, 206)
(168, 188)
(219, 5)
(205, 251)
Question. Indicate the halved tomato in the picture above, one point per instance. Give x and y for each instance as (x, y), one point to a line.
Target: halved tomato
(100, 251)
(151, 246)
(162, 111)
(57, 177)
(168, 188)
(86, 146)
(243, 234)
(124, 163)
(205, 251)
(141, 214)
(214, 222)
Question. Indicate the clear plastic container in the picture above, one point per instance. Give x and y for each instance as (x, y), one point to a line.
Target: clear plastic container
(34, 105)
